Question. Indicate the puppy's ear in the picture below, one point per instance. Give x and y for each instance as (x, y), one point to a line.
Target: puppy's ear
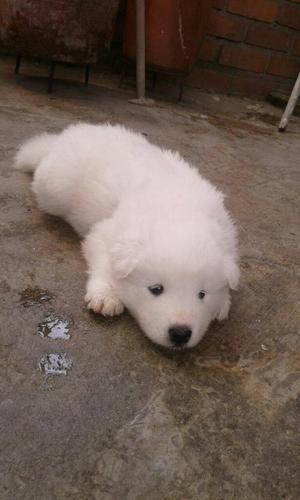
(224, 309)
(232, 274)
(125, 255)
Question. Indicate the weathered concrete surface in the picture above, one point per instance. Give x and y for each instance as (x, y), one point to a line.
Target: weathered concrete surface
(132, 421)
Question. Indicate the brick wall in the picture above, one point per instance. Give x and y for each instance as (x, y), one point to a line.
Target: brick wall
(251, 48)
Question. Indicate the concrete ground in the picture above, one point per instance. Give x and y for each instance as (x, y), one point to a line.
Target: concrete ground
(131, 420)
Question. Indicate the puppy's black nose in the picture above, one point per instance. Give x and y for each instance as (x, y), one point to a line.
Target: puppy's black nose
(180, 335)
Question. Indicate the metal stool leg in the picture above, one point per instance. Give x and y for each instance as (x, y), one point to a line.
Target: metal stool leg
(153, 79)
(181, 85)
(123, 75)
(18, 63)
(51, 75)
(87, 74)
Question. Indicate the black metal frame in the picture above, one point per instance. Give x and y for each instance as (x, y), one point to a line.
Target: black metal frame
(127, 67)
(52, 72)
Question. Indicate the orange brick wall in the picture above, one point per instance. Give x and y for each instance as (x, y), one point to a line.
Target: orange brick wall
(251, 48)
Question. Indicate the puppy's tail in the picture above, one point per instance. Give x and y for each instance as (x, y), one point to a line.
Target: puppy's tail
(33, 151)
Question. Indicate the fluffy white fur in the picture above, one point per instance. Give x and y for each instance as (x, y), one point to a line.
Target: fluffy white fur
(147, 218)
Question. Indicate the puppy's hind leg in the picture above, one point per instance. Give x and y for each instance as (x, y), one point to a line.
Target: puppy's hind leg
(100, 295)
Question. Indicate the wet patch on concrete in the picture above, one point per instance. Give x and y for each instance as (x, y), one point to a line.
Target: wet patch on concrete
(34, 296)
(55, 364)
(55, 327)
(267, 118)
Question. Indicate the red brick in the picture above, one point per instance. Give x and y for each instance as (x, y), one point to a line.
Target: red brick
(225, 26)
(242, 58)
(283, 66)
(263, 10)
(226, 82)
(269, 38)
(296, 47)
(289, 15)
(205, 78)
(249, 86)
(209, 50)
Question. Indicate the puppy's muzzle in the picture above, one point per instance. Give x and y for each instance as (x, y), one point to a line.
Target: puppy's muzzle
(179, 335)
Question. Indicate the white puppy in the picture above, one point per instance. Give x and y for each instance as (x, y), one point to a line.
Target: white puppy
(158, 239)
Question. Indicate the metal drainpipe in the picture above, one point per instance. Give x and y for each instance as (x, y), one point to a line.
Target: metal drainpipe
(140, 49)
(140, 56)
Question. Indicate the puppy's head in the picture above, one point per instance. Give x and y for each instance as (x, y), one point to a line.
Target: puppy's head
(174, 282)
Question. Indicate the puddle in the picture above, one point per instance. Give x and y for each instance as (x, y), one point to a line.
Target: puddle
(55, 364)
(34, 296)
(55, 327)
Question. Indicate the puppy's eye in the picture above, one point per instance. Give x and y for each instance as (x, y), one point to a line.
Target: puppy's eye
(201, 294)
(156, 289)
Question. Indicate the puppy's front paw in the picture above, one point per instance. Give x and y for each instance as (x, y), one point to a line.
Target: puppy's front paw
(103, 301)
